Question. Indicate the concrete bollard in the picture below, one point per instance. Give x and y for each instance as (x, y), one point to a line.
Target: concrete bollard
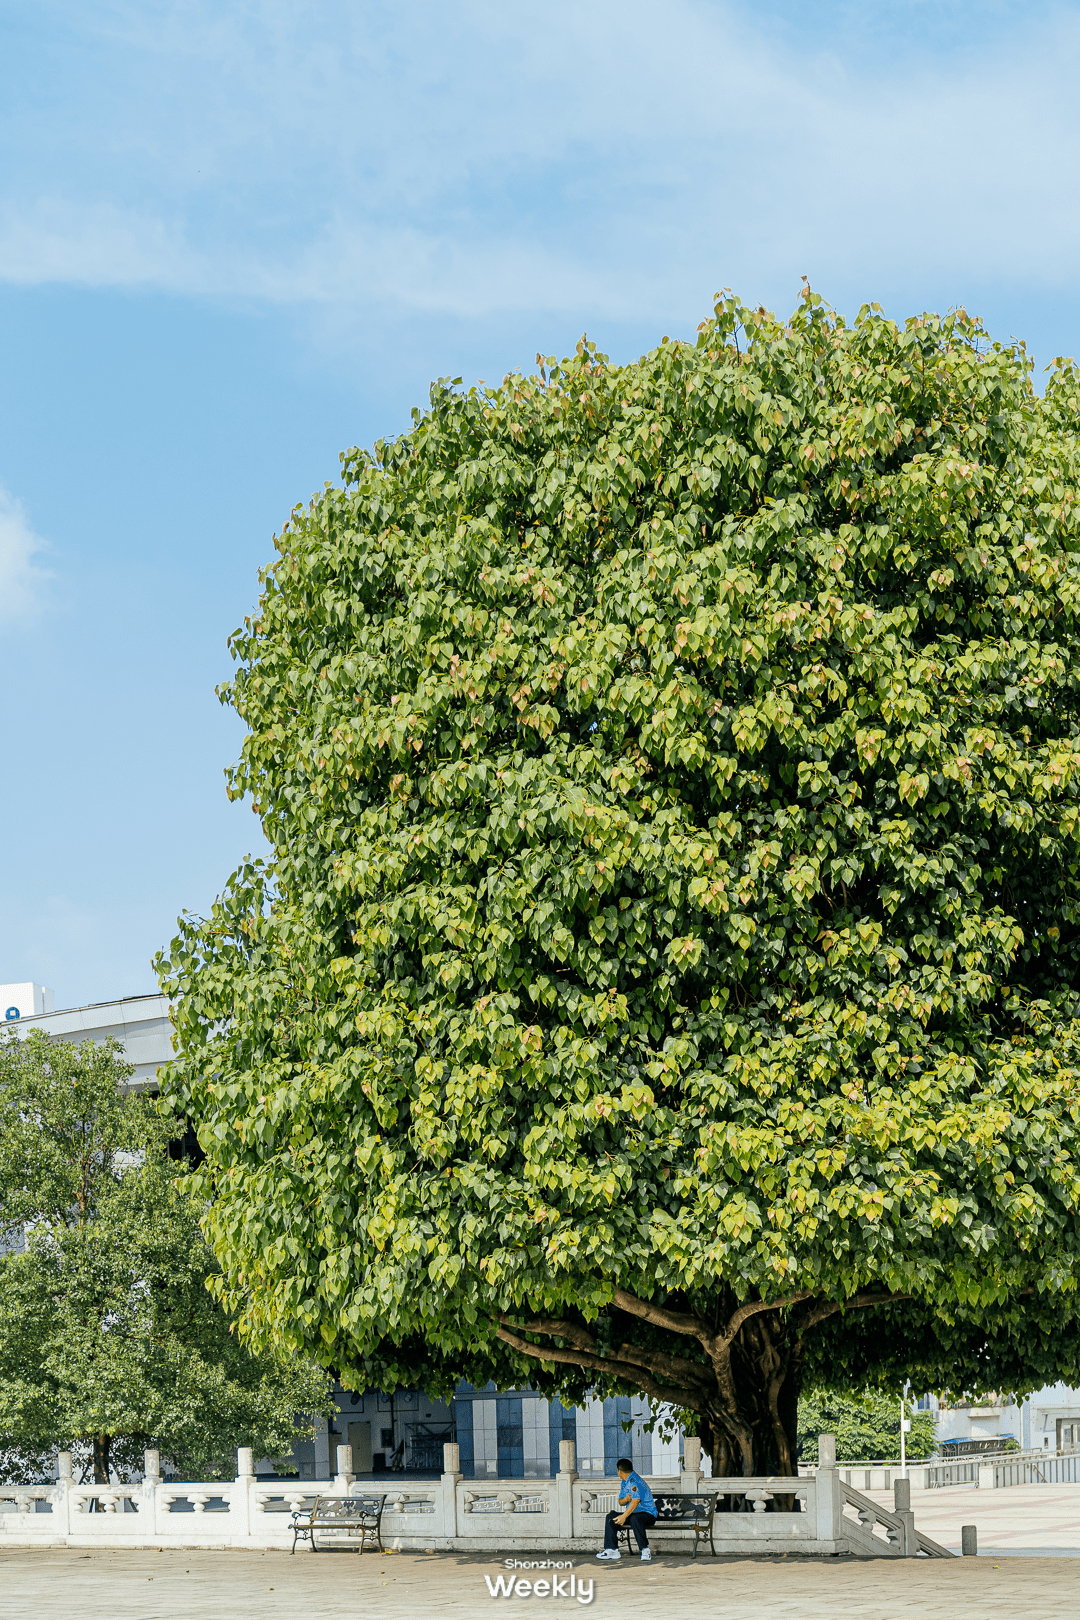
(691, 1454)
(151, 1466)
(969, 1541)
(567, 1457)
(245, 1463)
(344, 1462)
(63, 1465)
(826, 1450)
(902, 1495)
(451, 1458)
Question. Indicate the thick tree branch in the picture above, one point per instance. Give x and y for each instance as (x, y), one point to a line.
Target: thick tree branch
(831, 1307)
(657, 1362)
(674, 1321)
(581, 1358)
(673, 1367)
(753, 1307)
(556, 1328)
(861, 1301)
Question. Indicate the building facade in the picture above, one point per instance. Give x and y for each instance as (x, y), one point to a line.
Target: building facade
(501, 1434)
(140, 1023)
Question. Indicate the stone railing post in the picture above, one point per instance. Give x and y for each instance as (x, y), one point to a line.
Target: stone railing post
(61, 1497)
(828, 1504)
(691, 1468)
(344, 1476)
(323, 1469)
(564, 1526)
(242, 1502)
(909, 1546)
(451, 1477)
(151, 1479)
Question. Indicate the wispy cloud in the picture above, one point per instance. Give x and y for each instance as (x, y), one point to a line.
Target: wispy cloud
(623, 156)
(23, 578)
(94, 244)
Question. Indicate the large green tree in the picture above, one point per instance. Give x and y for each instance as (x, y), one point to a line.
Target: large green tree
(109, 1338)
(665, 973)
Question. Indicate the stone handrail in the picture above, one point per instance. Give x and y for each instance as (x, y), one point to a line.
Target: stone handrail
(24, 1496)
(902, 1539)
(402, 1501)
(504, 1501)
(772, 1513)
(103, 1498)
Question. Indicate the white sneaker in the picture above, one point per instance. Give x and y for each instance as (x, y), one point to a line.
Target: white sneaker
(609, 1555)
(646, 1557)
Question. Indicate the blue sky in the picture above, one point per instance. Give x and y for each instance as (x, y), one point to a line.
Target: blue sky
(236, 238)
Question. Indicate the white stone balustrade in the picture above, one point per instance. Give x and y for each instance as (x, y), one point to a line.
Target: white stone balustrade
(560, 1514)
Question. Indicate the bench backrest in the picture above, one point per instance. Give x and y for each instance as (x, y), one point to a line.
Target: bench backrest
(346, 1509)
(681, 1509)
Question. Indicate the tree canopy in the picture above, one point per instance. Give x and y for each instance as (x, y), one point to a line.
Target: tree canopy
(665, 973)
(109, 1339)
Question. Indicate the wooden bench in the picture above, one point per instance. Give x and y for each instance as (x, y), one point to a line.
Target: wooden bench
(694, 1513)
(359, 1516)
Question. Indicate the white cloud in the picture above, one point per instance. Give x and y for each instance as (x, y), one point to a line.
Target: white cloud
(624, 157)
(22, 577)
(93, 244)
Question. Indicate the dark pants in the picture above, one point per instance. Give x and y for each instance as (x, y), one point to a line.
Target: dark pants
(638, 1522)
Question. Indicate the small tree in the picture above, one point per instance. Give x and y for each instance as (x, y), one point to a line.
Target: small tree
(108, 1334)
(666, 974)
(866, 1426)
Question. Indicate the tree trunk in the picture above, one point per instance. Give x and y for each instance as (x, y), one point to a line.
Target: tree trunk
(750, 1427)
(102, 1465)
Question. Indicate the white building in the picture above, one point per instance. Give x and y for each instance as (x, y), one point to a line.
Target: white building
(140, 1023)
(1048, 1420)
(24, 1000)
(1051, 1419)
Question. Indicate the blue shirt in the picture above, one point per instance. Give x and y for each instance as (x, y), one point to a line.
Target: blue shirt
(634, 1485)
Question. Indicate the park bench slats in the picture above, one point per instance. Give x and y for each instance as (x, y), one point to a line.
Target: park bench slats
(694, 1513)
(359, 1516)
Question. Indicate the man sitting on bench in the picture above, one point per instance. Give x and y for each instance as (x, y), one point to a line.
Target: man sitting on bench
(637, 1509)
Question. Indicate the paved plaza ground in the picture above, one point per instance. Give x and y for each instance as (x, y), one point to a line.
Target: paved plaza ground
(236, 1585)
(1029, 1542)
(1025, 1520)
